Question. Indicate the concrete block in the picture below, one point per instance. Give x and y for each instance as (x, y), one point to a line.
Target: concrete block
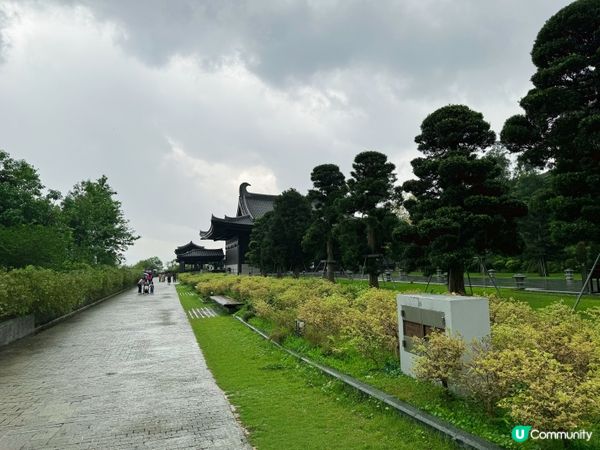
(13, 329)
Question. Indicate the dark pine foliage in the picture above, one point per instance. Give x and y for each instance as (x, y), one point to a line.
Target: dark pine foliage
(459, 206)
(560, 129)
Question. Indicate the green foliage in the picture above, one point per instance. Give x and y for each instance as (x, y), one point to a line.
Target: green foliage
(88, 227)
(100, 231)
(276, 239)
(372, 196)
(460, 205)
(372, 325)
(440, 357)
(153, 263)
(49, 294)
(44, 246)
(540, 366)
(336, 317)
(21, 198)
(260, 248)
(329, 189)
(561, 125)
(291, 219)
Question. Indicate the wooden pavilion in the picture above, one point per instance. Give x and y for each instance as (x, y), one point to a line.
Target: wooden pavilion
(192, 257)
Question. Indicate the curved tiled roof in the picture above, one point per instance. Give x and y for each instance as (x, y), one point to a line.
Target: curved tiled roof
(251, 206)
(204, 252)
(201, 255)
(186, 247)
(254, 205)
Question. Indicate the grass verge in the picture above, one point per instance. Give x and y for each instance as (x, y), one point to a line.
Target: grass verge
(286, 404)
(535, 299)
(459, 411)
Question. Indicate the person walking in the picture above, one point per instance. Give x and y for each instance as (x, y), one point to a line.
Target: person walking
(169, 278)
(140, 283)
(174, 277)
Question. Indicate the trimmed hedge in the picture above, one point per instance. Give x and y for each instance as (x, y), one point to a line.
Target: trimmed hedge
(50, 294)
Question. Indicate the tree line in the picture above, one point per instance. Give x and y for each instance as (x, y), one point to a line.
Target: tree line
(44, 228)
(465, 204)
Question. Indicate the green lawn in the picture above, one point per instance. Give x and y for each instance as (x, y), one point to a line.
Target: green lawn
(535, 299)
(286, 404)
(530, 275)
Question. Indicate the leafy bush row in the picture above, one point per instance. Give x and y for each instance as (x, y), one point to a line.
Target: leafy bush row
(336, 316)
(539, 367)
(50, 294)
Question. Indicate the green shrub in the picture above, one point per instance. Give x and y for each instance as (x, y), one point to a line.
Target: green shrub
(50, 294)
(325, 319)
(373, 325)
(513, 265)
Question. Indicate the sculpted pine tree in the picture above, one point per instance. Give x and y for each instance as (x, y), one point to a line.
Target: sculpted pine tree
(560, 129)
(372, 196)
(460, 206)
(329, 188)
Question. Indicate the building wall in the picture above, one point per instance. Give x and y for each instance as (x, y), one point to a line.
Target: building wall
(232, 254)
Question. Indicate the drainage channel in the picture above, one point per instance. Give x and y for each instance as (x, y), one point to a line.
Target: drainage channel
(459, 436)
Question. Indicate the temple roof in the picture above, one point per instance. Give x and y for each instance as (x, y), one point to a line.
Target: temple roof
(251, 206)
(186, 247)
(201, 254)
(254, 205)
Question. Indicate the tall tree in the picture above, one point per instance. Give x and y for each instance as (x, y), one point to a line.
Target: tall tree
(372, 196)
(22, 201)
(290, 221)
(460, 206)
(30, 221)
(36, 245)
(100, 230)
(152, 263)
(260, 247)
(533, 188)
(560, 129)
(329, 188)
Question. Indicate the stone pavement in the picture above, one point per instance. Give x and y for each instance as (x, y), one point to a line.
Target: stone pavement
(124, 374)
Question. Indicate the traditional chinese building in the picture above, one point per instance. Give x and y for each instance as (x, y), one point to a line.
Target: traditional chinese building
(235, 231)
(192, 257)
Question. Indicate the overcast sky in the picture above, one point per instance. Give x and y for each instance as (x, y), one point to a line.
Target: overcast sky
(178, 102)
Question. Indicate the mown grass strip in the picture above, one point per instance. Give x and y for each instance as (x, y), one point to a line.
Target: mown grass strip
(463, 438)
(287, 404)
(535, 299)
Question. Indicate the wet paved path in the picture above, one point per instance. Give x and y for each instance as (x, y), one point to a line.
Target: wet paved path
(124, 374)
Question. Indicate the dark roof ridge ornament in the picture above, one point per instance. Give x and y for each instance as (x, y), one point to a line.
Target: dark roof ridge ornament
(243, 188)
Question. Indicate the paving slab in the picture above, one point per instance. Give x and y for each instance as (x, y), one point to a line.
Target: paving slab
(126, 373)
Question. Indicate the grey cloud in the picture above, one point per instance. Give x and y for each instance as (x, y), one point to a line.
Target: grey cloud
(290, 41)
(318, 82)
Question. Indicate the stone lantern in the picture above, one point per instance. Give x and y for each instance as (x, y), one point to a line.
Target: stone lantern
(519, 280)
